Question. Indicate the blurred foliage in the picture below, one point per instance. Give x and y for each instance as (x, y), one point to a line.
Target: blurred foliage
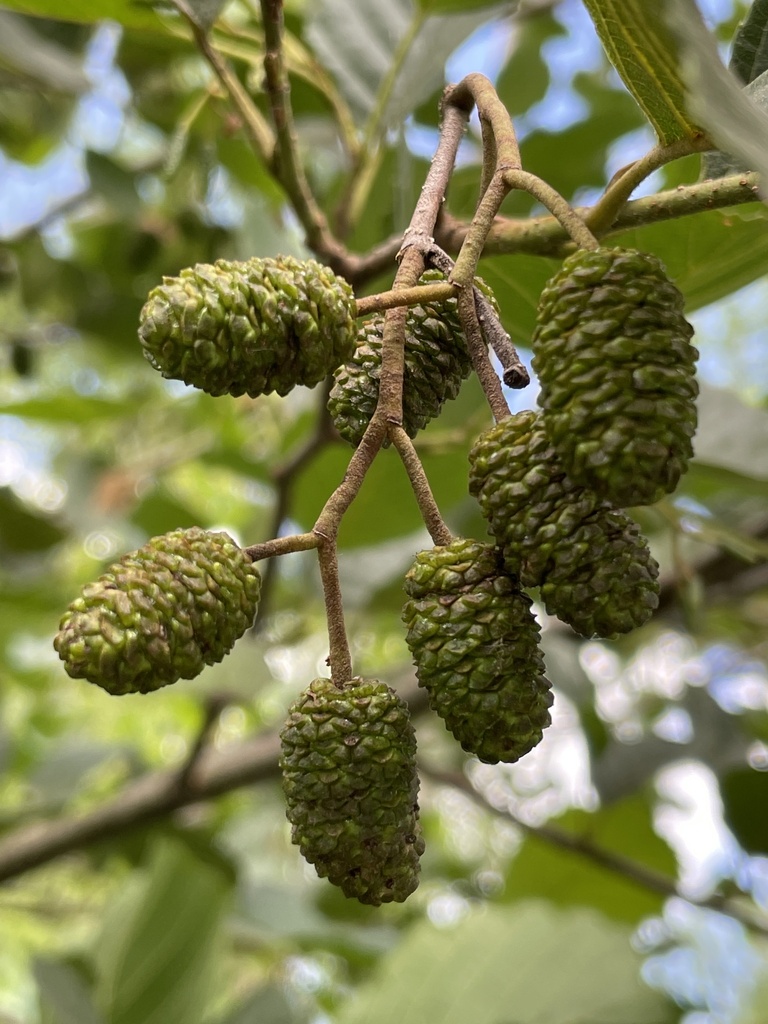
(123, 161)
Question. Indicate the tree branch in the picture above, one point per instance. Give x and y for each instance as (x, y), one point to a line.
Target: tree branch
(618, 864)
(545, 236)
(155, 796)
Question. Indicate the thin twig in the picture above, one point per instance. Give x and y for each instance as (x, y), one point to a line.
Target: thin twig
(545, 236)
(437, 291)
(212, 709)
(603, 214)
(256, 128)
(288, 164)
(283, 477)
(430, 512)
(515, 374)
(479, 356)
(282, 546)
(556, 205)
(633, 871)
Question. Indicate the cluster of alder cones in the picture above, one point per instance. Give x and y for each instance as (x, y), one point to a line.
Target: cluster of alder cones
(617, 413)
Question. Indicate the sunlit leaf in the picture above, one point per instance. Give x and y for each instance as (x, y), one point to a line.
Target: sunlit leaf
(714, 95)
(136, 13)
(645, 53)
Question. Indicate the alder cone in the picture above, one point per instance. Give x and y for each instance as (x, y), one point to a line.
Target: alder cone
(475, 644)
(532, 505)
(593, 566)
(604, 582)
(348, 766)
(436, 364)
(249, 327)
(617, 371)
(161, 613)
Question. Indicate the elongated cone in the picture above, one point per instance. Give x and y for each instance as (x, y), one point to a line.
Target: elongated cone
(436, 364)
(161, 613)
(593, 566)
(532, 505)
(475, 644)
(348, 765)
(249, 327)
(604, 582)
(617, 371)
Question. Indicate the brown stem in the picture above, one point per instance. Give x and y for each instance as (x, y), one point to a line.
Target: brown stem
(479, 355)
(475, 239)
(556, 205)
(422, 226)
(478, 89)
(435, 292)
(339, 658)
(256, 128)
(430, 513)
(620, 188)
(289, 167)
(515, 374)
(282, 546)
(546, 236)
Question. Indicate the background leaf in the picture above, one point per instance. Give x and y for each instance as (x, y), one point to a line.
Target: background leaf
(156, 956)
(523, 963)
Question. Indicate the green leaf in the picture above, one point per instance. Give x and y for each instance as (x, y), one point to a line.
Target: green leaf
(645, 53)
(525, 964)
(386, 59)
(739, 237)
(136, 13)
(155, 958)
(23, 529)
(714, 96)
(64, 996)
(743, 791)
(525, 79)
(749, 58)
(625, 829)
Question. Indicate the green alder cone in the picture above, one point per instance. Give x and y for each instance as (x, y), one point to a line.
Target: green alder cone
(604, 582)
(161, 613)
(436, 364)
(532, 505)
(348, 761)
(594, 568)
(249, 328)
(475, 644)
(617, 371)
